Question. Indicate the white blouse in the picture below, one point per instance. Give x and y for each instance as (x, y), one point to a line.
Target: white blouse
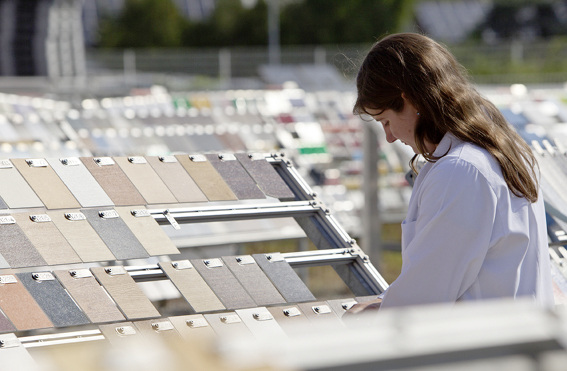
(468, 237)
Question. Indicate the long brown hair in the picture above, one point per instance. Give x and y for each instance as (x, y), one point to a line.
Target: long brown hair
(437, 85)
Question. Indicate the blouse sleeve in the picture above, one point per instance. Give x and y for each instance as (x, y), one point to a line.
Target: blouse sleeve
(447, 243)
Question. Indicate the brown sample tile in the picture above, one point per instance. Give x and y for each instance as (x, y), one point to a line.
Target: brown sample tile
(192, 286)
(238, 179)
(177, 179)
(16, 249)
(207, 178)
(193, 326)
(81, 236)
(145, 179)
(150, 234)
(228, 289)
(46, 183)
(89, 295)
(264, 174)
(46, 238)
(113, 180)
(254, 280)
(14, 189)
(131, 300)
(19, 306)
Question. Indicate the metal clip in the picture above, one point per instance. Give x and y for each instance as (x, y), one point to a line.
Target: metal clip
(103, 161)
(70, 161)
(80, 273)
(266, 316)
(321, 309)
(230, 318)
(137, 160)
(116, 270)
(108, 214)
(197, 158)
(227, 157)
(348, 305)
(197, 322)
(171, 219)
(275, 257)
(167, 159)
(40, 218)
(245, 259)
(162, 326)
(140, 213)
(213, 263)
(291, 312)
(182, 264)
(9, 341)
(125, 330)
(43, 276)
(75, 216)
(36, 162)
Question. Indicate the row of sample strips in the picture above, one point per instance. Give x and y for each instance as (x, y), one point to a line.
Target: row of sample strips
(277, 322)
(75, 297)
(71, 183)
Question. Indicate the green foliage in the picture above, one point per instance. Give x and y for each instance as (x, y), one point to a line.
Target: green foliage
(144, 23)
(339, 21)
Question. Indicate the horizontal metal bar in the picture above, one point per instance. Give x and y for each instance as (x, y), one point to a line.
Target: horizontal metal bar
(61, 338)
(237, 212)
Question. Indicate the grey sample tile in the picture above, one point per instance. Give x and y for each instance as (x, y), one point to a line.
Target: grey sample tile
(254, 280)
(238, 179)
(282, 275)
(115, 233)
(264, 174)
(225, 285)
(80, 182)
(15, 247)
(53, 299)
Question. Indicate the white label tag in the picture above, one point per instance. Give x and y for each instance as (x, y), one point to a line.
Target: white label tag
(197, 322)
(291, 312)
(6, 164)
(7, 219)
(213, 263)
(321, 309)
(245, 259)
(103, 161)
(114, 271)
(108, 214)
(182, 264)
(43, 276)
(75, 216)
(125, 330)
(162, 326)
(230, 318)
(80, 273)
(137, 160)
(167, 158)
(70, 161)
(139, 213)
(8, 278)
(36, 162)
(198, 158)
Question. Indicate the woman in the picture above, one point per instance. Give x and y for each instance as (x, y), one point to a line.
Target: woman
(475, 227)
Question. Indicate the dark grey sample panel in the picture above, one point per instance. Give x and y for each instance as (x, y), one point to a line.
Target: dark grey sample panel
(15, 247)
(254, 280)
(227, 288)
(115, 234)
(113, 180)
(177, 179)
(241, 183)
(264, 174)
(80, 182)
(282, 275)
(125, 292)
(192, 286)
(89, 295)
(53, 299)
